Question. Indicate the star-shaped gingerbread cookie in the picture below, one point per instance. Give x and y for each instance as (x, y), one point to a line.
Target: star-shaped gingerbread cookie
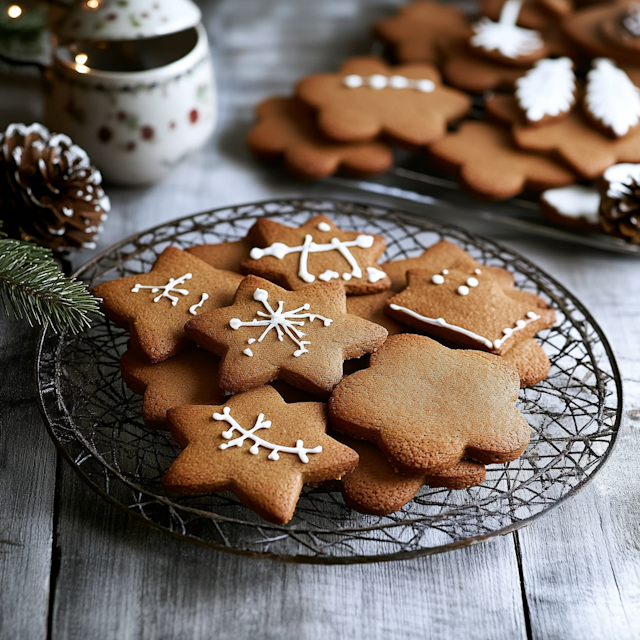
(301, 337)
(368, 98)
(428, 407)
(375, 487)
(287, 129)
(489, 164)
(470, 309)
(318, 251)
(259, 448)
(224, 255)
(420, 30)
(189, 377)
(155, 305)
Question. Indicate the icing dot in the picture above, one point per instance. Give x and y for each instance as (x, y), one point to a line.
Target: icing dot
(346, 276)
(520, 324)
(477, 272)
(323, 226)
(398, 82)
(437, 279)
(472, 282)
(463, 291)
(248, 352)
(532, 316)
(353, 81)
(426, 86)
(377, 81)
(251, 340)
(445, 272)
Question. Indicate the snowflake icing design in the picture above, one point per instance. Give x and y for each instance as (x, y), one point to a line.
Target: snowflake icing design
(258, 442)
(284, 322)
(167, 289)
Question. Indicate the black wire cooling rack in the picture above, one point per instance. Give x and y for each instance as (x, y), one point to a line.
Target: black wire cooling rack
(96, 421)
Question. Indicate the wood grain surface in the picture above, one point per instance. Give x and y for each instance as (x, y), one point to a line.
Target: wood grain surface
(72, 566)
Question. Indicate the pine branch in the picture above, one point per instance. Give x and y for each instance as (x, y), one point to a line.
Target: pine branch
(32, 285)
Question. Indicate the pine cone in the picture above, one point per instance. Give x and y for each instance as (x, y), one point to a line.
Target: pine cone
(50, 193)
(620, 212)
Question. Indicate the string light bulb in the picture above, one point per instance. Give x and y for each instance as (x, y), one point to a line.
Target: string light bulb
(82, 58)
(82, 68)
(93, 4)
(14, 11)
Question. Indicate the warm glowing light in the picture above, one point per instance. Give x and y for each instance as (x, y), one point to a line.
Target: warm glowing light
(93, 4)
(82, 58)
(14, 11)
(81, 68)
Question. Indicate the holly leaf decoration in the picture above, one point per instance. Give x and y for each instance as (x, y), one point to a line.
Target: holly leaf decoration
(548, 89)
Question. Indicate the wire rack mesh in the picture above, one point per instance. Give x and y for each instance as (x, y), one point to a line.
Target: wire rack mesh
(96, 421)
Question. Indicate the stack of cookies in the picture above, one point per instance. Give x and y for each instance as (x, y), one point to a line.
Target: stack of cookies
(557, 85)
(239, 350)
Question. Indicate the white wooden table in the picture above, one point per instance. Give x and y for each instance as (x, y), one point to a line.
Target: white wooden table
(71, 566)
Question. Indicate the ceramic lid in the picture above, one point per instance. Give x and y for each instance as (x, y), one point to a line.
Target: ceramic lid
(127, 19)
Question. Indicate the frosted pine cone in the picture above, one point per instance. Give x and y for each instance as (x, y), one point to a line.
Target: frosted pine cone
(50, 193)
(620, 212)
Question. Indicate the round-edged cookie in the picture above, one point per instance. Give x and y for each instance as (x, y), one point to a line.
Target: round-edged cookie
(258, 447)
(573, 207)
(428, 407)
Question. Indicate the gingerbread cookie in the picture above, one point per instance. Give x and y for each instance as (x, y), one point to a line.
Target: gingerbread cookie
(301, 336)
(534, 14)
(428, 407)
(371, 307)
(609, 30)
(317, 251)
(489, 165)
(573, 207)
(155, 305)
(504, 41)
(287, 129)
(225, 255)
(421, 29)
(469, 308)
(530, 361)
(368, 98)
(376, 488)
(442, 255)
(186, 378)
(258, 447)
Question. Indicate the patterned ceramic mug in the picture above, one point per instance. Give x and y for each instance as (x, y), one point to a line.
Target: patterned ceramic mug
(137, 108)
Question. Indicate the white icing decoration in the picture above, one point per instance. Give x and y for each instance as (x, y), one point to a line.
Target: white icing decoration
(575, 201)
(328, 275)
(251, 340)
(282, 321)
(323, 226)
(619, 177)
(548, 89)
(611, 98)
(437, 279)
(378, 82)
(445, 272)
(280, 250)
(248, 352)
(258, 442)
(463, 290)
(477, 272)
(440, 322)
(193, 309)
(166, 289)
(472, 282)
(346, 276)
(375, 274)
(504, 36)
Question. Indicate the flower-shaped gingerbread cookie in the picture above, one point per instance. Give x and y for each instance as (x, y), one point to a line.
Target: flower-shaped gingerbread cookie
(428, 407)
(368, 98)
(469, 308)
(187, 378)
(491, 166)
(287, 129)
(318, 251)
(301, 336)
(258, 447)
(375, 487)
(421, 29)
(155, 305)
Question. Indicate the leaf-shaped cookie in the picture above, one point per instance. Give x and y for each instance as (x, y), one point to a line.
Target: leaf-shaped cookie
(548, 90)
(612, 100)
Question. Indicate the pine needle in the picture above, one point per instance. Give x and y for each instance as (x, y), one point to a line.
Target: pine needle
(34, 288)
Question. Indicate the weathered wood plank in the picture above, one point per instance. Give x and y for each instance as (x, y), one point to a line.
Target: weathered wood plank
(27, 481)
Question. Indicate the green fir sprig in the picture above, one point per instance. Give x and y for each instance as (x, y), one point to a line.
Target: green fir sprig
(34, 288)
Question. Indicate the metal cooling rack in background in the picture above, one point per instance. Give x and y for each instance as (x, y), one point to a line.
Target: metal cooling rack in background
(96, 421)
